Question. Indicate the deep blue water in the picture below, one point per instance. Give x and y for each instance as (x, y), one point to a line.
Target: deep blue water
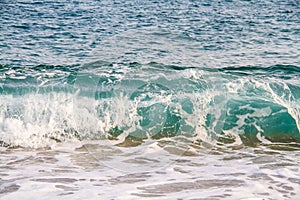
(225, 70)
(229, 33)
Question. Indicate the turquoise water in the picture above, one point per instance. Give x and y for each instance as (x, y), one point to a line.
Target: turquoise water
(248, 105)
(205, 83)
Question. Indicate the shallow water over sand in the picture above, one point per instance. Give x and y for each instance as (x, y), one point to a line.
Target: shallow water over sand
(152, 170)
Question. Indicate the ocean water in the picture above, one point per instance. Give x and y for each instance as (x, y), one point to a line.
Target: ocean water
(150, 99)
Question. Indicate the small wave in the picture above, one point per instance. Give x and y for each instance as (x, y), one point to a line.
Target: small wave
(281, 71)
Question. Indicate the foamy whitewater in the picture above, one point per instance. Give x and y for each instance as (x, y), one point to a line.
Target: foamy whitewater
(150, 100)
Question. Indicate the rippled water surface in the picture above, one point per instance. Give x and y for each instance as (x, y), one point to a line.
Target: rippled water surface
(150, 99)
(199, 33)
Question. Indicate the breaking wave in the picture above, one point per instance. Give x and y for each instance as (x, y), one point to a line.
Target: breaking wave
(116, 101)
